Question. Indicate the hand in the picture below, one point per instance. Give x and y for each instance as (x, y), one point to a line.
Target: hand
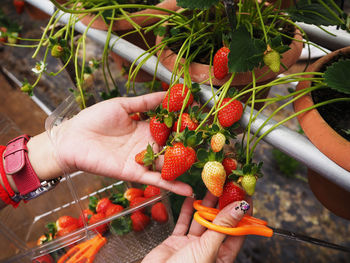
(104, 140)
(196, 244)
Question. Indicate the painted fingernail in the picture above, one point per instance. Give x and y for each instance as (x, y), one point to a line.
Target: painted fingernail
(243, 206)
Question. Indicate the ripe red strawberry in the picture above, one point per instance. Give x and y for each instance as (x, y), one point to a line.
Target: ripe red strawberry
(135, 116)
(3, 35)
(186, 121)
(140, 156)
(136, 201)
(176, 98)
(159, 131)
(131, 193)
(114, 209)
(87, 214)
(43, 259)
(232, 192)
(220, 63)
(68, 229)
(229, 165)
(214, 176)
(139, 221)
(65, 221)
(165, 86)
(97, 218)
(177, 160)
(151, 191)
(19, 5)
(217, 142)
(159, 213)
(231, 113)
(102, 205)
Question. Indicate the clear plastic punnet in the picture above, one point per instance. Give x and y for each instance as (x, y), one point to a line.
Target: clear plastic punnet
(28, 234)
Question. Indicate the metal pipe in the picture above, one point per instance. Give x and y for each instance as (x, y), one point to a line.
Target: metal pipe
(282, 138)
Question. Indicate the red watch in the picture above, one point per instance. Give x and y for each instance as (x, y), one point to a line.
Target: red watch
(17, 165)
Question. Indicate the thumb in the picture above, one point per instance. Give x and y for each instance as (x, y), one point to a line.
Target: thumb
(228, 217)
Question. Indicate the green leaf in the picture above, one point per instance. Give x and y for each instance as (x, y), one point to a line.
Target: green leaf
(52, 228)
(119, 199)
(121, 225)
(159, 31)
(200, 4)
(246, 53)
(337, 76)
(169, 121)
(202, 155)
(93, 200)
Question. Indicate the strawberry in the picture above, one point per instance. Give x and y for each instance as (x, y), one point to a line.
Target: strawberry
(43, 239)
(3, 35)
(102, 205)
(220, 63)
(137, 200)
(44, 259)
(87, 214)
(165, 86)
(232, 192)
(151, 191)
(57, 51)
(186, 121)
(135, 116)
(177, 160)
(217, 142)
(214, 176)
(65, 221)
(231, 113)
(159, 213)
(113, 209)
(68, 229)
(12, 38)
(139, 221)
(249, 182)
(159, 131)
(96, 218)
(176, 98)
(140, 156)
(19, 5)
(229, 165)
(131, 193)
(272, 59)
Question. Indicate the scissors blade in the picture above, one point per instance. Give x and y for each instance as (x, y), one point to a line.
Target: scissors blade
(303, 238)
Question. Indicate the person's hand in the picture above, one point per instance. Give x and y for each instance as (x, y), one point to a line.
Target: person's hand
(104, 140)
(193, 243)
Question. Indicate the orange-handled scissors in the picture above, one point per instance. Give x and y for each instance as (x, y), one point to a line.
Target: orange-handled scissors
(253, 226)
(85, 251)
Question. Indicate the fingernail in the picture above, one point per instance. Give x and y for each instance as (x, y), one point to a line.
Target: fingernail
(193, 196)
(243, 206)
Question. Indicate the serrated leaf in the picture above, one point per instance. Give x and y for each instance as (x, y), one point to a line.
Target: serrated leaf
(337, 76)
(200, 4)
(93, 200)
(159, 31)
(199, 164)
(202, 155)
(169, 121)
(246, 53)
(121, 225)
(219, 156)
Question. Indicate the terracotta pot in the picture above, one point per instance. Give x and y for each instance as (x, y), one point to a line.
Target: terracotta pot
(35, 13)
(328, 141)
(122, 25)
(333, 197)
(200, 72)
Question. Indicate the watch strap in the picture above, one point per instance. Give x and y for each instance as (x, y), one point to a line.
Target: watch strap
(18, 165)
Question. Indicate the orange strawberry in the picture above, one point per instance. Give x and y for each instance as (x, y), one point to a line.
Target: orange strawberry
(176, 98)
(232, 192)
(177, 160)
(214, 176)
(231, 113)
(132, 192)
(217, 142)
(159, 213)
(151, 191)
(220, 63)
(186, 121)
(140, 156)
(229, 165)
(159, 131)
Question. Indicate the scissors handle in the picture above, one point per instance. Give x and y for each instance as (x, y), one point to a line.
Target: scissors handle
(247, 226)
(84, 252)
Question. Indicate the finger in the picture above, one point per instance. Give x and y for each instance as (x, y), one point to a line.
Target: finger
(196, 229)
(159, 162)
(228, 217)
(185, 217)
(176, 187)
(141, 103)
(229, 250)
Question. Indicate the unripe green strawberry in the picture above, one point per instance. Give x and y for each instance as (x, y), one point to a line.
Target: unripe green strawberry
(217, 142)
(214, 176)
(249, 182)
(27, 88)
(57, 51)
(272, 59)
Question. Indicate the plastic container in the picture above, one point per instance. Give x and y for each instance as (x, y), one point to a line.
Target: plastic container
(21, 228)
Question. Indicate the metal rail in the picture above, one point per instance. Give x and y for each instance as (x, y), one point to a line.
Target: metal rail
(284, 139)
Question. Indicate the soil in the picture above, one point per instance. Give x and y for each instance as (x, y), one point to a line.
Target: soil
(337, 115)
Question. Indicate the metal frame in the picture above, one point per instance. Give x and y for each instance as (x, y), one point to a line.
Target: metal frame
(284, 139)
